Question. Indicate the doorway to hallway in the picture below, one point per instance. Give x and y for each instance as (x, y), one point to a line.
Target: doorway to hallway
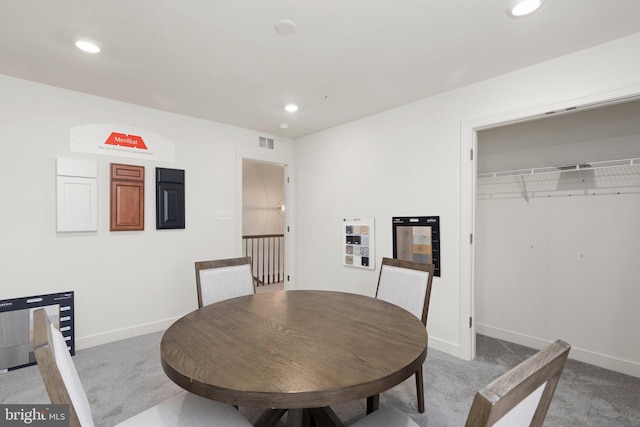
(264, 221)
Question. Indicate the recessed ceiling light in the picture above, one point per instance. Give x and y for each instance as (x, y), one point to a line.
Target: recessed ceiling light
(87, 46)
(519, 8)
(292, 108)
(286, 27)
(284, 125)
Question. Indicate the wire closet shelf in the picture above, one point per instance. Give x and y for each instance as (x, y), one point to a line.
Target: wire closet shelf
(583, 179)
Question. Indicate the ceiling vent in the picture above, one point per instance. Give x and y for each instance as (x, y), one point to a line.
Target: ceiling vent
(266, 142)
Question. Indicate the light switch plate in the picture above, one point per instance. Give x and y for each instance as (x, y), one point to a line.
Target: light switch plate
(224, 216)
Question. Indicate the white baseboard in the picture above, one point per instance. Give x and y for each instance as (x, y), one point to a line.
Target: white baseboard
(444, 346)
(602, 360)
(121, 334)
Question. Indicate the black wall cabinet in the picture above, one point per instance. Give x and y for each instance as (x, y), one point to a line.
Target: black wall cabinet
(169, 198)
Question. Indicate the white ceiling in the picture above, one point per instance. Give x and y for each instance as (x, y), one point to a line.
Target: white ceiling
(224, 61)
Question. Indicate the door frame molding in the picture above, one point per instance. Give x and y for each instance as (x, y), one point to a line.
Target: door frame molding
(287, 163)
(468, 184)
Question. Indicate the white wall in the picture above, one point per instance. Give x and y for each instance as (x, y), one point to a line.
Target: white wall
(407, 161)
(394, 164)
(125, 283)
(563, 266)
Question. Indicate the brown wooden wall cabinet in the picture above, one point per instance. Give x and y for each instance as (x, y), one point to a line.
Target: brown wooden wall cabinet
(127, 197)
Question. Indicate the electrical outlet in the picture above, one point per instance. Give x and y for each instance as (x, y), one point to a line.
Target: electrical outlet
(224, 216)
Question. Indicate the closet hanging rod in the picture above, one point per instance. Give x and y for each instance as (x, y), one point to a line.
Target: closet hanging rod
(562, 168)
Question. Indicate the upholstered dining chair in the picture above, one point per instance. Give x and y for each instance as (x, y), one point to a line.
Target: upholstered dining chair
(64, 388)
(518, 398)
(407, 284)
(223, 279)
(522, 396)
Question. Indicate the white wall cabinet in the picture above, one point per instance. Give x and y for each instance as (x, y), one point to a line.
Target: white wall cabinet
(77, 195)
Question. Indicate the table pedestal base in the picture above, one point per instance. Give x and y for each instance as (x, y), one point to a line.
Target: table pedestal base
(311, 417)
(373, 403)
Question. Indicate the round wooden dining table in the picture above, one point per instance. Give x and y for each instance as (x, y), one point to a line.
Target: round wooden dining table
(298, 351)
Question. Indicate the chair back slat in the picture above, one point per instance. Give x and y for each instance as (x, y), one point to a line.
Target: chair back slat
(521, 397)
(58, 371)
(223, 279)
(406, 284)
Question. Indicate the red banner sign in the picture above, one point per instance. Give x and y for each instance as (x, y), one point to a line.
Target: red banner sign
(123, 140)
(113, 139)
